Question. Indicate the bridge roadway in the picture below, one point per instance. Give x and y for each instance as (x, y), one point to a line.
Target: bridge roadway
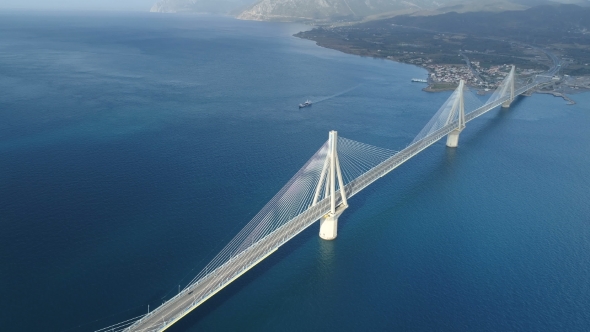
(191, 297)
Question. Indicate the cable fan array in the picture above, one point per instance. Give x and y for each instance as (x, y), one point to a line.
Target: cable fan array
(297, 196)
(119, 327)
(294, 198)
(446, 114)
(502, 90)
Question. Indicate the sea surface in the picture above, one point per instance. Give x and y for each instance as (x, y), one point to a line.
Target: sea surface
(133, 147)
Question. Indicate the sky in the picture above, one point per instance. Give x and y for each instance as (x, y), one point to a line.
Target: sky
(131, 5)
(115, 5)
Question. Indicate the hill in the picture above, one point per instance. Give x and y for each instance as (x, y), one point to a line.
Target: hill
(356, 10)
(487, 38)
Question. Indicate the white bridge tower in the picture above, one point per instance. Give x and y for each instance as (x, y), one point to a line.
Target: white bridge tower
(510, 86)
(458, 106)
(330, 173)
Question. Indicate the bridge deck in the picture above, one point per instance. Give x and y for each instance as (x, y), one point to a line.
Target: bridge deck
(190, 298)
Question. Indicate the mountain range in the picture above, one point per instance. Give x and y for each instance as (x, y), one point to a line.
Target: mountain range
(343, 10)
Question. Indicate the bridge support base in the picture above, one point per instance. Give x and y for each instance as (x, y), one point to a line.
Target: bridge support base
(329, 224)
(453, 138)
(506, 104)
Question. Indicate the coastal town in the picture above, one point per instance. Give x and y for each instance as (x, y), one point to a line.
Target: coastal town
(442, 77)
(472, 52)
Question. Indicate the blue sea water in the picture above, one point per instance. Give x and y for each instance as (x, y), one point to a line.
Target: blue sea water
(134, 146)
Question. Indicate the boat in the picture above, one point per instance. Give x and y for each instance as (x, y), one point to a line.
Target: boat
(307, 103)
(419, 80)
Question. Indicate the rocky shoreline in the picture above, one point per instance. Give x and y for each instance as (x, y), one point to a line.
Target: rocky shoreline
(560, 95)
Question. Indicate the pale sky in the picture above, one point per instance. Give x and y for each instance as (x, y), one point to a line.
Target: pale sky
(131, 5)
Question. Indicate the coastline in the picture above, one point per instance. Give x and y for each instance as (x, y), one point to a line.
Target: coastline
(432, 87)
(559, 95)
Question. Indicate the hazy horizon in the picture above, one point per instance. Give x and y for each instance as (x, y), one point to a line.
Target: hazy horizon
(114, 5)
(139, 5)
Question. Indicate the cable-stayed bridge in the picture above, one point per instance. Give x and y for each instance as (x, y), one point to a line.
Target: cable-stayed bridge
(320, 190)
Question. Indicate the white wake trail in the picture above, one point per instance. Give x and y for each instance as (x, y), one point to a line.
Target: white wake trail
(338, 94)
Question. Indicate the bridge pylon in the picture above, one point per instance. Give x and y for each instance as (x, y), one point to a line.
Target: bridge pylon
(510, 86)
(330, 174)
(458, 106)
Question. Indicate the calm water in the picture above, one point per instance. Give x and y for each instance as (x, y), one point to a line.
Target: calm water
(134, 146)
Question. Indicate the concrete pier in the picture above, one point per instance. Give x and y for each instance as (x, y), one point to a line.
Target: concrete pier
(329, 224)
(453, 138)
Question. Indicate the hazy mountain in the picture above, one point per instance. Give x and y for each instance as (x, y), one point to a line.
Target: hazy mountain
(325, 9)
(319, 10)
(347, 10)
(201, 6)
